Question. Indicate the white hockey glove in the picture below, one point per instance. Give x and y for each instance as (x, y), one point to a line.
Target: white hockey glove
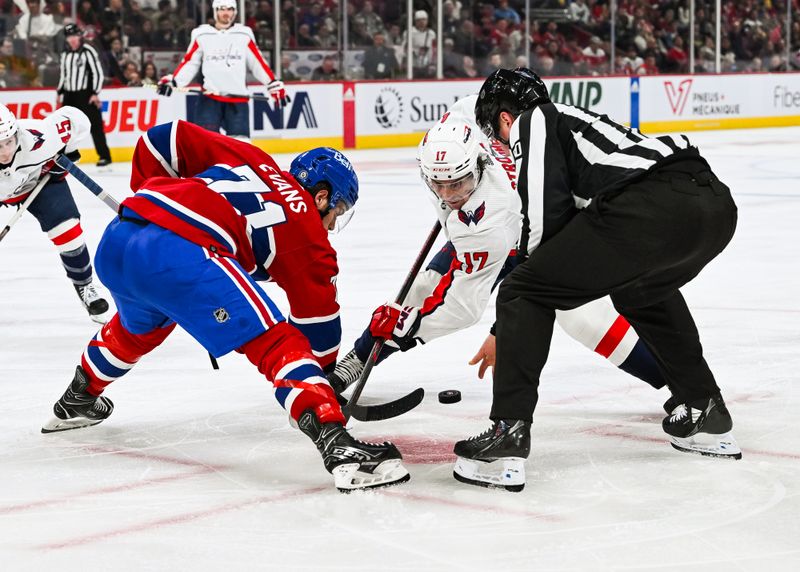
(278, 92)
(396, 325)
(165, 85)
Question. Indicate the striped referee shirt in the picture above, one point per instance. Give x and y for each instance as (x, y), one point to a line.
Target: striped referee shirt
(565, 156)
(80, 70)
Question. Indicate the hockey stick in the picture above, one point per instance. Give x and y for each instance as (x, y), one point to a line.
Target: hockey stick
(201, 91)
(101, 194)
(66, 164)
(24, 206)
(407, 402)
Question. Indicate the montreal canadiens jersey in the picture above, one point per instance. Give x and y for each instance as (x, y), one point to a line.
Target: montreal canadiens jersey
(233, 199)
(224, 57)
(40, 141)
(484, 232)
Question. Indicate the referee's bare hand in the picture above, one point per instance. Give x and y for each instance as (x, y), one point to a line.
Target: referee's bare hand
(94, 100)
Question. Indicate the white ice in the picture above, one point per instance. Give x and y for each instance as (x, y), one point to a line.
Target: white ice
(199, 470)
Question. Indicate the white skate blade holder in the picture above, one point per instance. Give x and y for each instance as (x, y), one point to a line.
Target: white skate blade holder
(722, 445)
(348, 478)
(56, 424)
(507, 473)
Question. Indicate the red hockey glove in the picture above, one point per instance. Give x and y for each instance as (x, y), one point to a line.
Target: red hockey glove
(396, 325)
(278, 92)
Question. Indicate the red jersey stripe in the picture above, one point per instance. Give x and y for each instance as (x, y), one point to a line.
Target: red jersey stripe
(613, 337)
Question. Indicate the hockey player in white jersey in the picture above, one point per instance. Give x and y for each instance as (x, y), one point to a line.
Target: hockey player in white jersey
(28, 150)
(482, 224)
(224, 53)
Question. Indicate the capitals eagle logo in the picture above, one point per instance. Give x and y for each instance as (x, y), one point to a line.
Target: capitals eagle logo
(472, 216)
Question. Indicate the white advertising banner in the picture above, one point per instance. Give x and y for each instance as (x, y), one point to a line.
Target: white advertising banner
(719, 101)
(384, 108)
(314, 112)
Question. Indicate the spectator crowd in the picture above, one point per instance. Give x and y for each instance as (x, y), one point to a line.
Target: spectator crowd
(568, 37)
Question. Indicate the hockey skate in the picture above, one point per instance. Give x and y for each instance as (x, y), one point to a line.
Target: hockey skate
(77, 407)
(703, 427)
(346, 373)
(95, 304)
(354, 464)
(496, 457)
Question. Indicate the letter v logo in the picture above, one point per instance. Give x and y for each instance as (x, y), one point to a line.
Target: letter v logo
(678, 99)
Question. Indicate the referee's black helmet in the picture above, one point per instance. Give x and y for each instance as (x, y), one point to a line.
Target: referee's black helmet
(72, 30)
(514, 91)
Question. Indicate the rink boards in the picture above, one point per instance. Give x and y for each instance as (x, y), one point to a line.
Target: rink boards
(376, 114)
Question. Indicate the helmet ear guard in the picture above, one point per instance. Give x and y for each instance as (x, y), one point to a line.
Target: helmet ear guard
(513, 91)
(8, 123)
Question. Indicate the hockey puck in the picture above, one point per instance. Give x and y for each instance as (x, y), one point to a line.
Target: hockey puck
(449, 396)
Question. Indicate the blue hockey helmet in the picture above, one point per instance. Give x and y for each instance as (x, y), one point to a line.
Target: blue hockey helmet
(326, 165)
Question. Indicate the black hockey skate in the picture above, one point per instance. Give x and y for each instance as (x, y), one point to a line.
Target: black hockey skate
(671, 403)
(95, 304)
(78, 408)
(496, 457)
(703, 427)
(346, 373)
(353, 463)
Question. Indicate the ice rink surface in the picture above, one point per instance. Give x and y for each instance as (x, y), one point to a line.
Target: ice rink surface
(199, 470)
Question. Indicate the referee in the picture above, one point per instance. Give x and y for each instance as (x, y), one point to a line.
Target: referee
(606, 211)
(80, 83)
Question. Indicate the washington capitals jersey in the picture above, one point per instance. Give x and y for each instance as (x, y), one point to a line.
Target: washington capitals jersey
(40, 141)
(233, 199)
(483, 232)
(224, 58)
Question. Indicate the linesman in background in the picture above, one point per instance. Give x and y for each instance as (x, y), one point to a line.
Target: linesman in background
(80, 84)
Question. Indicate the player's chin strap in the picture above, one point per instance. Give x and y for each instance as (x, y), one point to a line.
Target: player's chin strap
(407, 402)
(24, 206)
(101, 194)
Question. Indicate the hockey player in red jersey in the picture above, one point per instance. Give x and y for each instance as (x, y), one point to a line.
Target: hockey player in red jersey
(210, 216)
(224, 53)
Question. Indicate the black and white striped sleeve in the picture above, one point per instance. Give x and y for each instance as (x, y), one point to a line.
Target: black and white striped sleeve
(543, 178)
(93, 64)
(60, 88)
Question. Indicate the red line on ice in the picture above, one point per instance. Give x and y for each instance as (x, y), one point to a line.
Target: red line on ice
(177, 519)
(745, 450)
(103, 491)
(151, 457)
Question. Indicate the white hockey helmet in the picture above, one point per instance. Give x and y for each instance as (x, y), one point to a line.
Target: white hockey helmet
(450, 159)
(8, 123)
(218, 4)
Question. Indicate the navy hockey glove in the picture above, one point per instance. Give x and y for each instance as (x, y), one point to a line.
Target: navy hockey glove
(396, 325)
(165, 86)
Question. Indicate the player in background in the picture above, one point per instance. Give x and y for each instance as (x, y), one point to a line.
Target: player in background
(223, 54)
(481, 218)
(28, 149)
(210, 216)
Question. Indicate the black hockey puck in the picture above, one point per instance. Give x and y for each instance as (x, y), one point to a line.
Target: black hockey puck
(449, 396)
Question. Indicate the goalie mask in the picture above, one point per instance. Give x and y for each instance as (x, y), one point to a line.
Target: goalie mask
(450, 161)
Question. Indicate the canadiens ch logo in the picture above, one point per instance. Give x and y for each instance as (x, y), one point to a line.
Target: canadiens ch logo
(221, 315)
(472, 217)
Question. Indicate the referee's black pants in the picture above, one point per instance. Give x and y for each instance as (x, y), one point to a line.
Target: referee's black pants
(638, 245)
(80, 99)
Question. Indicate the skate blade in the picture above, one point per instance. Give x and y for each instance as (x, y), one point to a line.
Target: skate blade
(102, 318)
(507, 473)
(55, 424)
(348, 478)
(723, 446)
